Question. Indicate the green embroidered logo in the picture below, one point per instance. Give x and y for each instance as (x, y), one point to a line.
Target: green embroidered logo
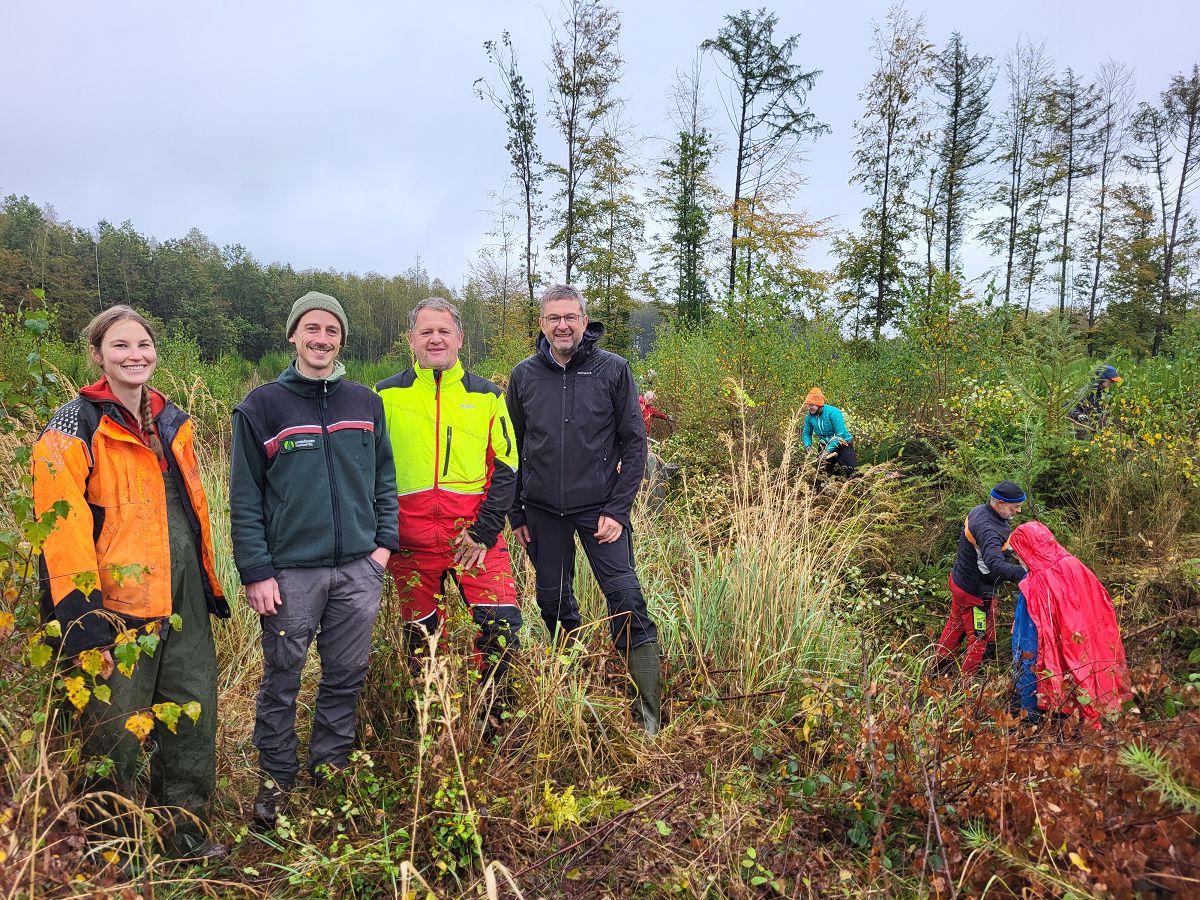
(300, 443)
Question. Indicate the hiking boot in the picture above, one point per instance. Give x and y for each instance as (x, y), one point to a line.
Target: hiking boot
(267, 802)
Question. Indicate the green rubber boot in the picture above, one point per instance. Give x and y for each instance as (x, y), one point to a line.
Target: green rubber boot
(647, 703)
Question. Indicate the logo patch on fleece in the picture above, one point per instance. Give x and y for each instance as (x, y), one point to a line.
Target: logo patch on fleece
(305, 442)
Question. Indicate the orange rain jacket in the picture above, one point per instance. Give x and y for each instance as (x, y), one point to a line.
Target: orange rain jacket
(91, 456)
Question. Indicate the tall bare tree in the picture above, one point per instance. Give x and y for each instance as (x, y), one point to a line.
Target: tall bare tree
(890, 144)
(515, 101)
(1075, 112)
(1019, 127)
(585, 68)
(963, 80)
(1115, 84)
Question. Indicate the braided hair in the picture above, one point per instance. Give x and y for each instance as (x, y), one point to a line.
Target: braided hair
(94, 335)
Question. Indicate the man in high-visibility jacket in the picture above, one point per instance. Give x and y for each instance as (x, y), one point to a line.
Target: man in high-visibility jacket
(456, 474)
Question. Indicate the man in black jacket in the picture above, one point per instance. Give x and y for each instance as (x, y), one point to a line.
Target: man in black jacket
(980, 565)
(582, 445)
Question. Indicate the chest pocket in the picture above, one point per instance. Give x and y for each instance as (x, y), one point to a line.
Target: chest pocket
(116, 477)
(463, 460)
(592, 405)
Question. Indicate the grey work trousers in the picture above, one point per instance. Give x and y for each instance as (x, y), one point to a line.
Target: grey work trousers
(337, 606)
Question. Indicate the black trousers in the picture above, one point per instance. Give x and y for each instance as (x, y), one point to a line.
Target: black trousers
(846, 460)
(552, 549)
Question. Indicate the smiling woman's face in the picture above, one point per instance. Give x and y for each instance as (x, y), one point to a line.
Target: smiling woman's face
(127, 355)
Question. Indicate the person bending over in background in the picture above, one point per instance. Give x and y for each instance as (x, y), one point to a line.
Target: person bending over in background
(121, 455)
(313, 513)
(582, 444)
(1067, 649)
(457, 478)
(1089, 412)
(979, 566)
(825, 426)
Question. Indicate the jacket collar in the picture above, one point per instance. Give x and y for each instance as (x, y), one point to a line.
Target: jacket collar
(587, 346)
(311, 388)
(449, 376)
(101, 393)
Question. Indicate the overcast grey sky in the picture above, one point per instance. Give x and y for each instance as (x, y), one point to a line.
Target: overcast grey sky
(347, 135)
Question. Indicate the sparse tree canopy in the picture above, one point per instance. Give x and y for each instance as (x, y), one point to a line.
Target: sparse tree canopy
(766, 102)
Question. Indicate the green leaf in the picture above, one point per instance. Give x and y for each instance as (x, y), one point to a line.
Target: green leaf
(131, 572)
(91, 661)
(38, 326)
(168, 714)
(85, 581)
(103, 693)
(663, 828)
(127, 657)
(39, 655)
(53, 628)
(176, 621)
(191, 709)
(148, 643)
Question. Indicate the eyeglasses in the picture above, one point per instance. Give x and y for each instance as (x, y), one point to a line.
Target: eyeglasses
(569, 319)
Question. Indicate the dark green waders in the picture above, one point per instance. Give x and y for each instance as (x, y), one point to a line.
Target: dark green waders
(183, 669)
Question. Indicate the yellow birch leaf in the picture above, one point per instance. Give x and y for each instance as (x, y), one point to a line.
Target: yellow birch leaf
(91, 661)
(6, 624)
(191, 709)
(140, 725)
(1078, 861)
(77, 693)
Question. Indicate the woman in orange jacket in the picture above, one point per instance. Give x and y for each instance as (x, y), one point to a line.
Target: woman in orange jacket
(132, 555)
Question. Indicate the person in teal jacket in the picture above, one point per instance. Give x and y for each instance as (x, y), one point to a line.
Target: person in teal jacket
(825, 425)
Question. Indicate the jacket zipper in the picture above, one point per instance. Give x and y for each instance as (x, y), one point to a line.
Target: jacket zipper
(562, 451)
(333, 494)
(437, 425)
(507, 439)
(449, 437)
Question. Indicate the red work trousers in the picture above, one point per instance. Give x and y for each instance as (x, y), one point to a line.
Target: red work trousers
(964, 622)
(490, 592)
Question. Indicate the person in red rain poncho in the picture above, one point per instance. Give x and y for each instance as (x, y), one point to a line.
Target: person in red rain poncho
(1076, 659)
(649, 411)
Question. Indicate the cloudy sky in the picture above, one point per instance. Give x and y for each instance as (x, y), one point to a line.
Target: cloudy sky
(348, 136)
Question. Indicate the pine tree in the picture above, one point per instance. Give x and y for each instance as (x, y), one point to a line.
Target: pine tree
(609, 238)
(687, 198)
(1173, 124)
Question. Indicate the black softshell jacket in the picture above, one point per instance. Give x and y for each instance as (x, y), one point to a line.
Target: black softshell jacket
(573, 424)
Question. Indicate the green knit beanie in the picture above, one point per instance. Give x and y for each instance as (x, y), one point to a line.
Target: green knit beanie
(316, 300)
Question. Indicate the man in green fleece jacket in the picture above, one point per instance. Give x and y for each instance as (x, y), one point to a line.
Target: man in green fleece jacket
(313, 512)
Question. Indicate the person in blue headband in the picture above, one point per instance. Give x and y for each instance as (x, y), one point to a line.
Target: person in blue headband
(982, 562)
